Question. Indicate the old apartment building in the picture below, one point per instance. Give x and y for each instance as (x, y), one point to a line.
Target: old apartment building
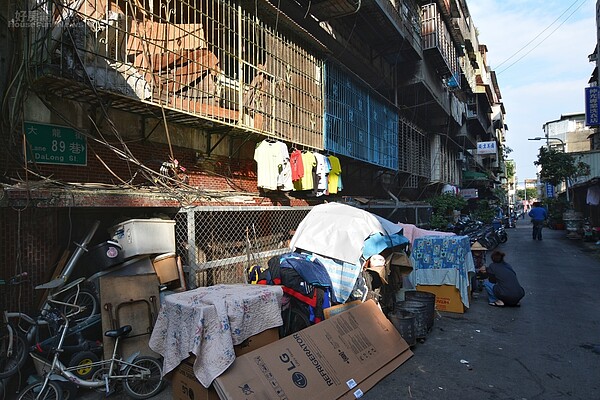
(116, 109)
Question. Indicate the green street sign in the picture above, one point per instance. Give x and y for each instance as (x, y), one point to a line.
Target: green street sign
(53, 144)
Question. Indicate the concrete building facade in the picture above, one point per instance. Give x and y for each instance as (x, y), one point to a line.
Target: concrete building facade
(131, 109)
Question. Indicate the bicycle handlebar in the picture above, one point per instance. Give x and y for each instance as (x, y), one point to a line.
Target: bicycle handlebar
(15, 280)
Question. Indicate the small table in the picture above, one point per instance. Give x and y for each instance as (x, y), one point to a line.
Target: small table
(443, 260)
(209, 321)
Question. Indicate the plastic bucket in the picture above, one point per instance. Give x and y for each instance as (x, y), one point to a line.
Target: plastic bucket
(426, 298)
(105, 255)
(165, 266)
(420, 311)
(404, 322)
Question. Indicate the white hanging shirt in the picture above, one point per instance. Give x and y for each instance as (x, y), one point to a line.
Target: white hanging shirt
(284, 178)
(269, 160)
(321, 174)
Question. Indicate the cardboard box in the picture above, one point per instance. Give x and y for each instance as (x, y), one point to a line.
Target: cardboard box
(187, 387)
(331, 311)
(257, 341)
(343, 355)
(447, 297)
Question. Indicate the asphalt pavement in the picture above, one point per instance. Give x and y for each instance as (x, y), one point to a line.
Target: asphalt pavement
(548, 348)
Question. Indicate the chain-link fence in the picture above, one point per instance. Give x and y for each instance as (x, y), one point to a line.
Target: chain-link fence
(218, 244)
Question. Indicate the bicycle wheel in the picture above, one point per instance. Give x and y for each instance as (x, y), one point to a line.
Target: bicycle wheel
(84, 298)
(69, 390)
(51, 392)
(10, 364)
(147, 386)
(83, 361)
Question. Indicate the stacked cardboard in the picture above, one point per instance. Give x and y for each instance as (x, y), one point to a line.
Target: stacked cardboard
(339, 358)
(187, 387)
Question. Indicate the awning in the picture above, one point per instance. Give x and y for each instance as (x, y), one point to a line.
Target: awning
(475, 176)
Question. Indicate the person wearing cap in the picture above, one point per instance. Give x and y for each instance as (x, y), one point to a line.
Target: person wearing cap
(478, 252)
(502, 285)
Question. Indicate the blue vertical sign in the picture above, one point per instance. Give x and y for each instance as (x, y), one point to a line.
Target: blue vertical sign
(549, 190)
(592, 106)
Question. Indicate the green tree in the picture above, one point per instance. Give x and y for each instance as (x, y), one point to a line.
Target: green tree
(510, 169)
(531, 194)
(558, 166)
(443, 205)
(484, 212)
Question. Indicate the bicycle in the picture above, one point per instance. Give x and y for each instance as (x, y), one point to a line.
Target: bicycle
(13, 345)
(141, 376)
(15, 340)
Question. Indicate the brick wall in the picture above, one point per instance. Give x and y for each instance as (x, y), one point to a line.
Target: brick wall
(31, 241)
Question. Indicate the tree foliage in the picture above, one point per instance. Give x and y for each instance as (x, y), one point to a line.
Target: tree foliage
(530, 192)
(558, 166)
(484, 211)
(443, 205)
(510, 169)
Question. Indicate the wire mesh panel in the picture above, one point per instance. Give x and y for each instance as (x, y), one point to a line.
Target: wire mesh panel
(218, 244)
(208, 58)
(359, 124)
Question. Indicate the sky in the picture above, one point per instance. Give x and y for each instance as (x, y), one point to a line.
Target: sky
(539, 50)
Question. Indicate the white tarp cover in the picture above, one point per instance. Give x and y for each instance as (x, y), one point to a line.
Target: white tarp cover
(339, 231)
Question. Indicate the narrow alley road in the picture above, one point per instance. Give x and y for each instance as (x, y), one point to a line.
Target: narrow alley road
(549, 348)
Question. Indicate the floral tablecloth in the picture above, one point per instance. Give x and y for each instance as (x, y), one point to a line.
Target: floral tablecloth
(443, 260)
(209, 321)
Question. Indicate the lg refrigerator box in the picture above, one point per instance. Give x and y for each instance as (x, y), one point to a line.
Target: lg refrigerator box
(341, 357)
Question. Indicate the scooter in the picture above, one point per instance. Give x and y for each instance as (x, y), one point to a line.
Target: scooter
(502, 235)
(500, 231)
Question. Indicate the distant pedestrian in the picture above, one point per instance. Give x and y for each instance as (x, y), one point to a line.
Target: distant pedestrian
(538, 216)
(502, 286)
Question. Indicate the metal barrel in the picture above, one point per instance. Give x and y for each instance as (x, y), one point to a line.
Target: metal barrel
(426, 298)
(420, 311)
(404, 322)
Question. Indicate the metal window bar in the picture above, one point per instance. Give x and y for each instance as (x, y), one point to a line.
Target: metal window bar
(358, 123)
(218, 244)
(436, 35)
(414, 150)
(207, 58)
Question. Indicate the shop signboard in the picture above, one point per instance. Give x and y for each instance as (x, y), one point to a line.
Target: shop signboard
(486, 147)
(592, 106)
(549, 190)
(469, 194)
